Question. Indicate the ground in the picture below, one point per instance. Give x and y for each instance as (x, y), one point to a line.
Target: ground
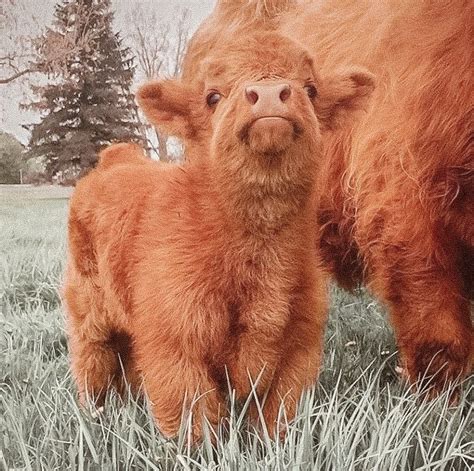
(359, 417)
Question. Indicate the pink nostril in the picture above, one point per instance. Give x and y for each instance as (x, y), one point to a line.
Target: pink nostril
(252, 95)
(285, 93)
(265, 95)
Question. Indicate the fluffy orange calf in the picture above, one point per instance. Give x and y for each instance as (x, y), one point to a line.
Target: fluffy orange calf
(396, 191)
(181, 275)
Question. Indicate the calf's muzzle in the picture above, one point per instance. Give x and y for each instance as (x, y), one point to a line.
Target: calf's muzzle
(268, 99)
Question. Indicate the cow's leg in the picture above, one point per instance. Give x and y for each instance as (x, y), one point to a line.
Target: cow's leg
(337, 247)
(93, 362)
(177, 380)
(301, 357)
(429, 310)
(179, 340)
(262, 324)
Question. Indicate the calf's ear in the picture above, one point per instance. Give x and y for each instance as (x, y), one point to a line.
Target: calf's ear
(168, 105)
(344, 93)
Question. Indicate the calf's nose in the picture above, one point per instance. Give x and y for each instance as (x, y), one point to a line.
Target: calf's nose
(268, 99)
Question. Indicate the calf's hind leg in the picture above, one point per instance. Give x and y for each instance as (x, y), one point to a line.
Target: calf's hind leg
(95, 345)
(94, 354)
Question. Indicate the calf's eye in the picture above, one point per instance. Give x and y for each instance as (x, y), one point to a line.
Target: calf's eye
(213, 98)
(311, 91)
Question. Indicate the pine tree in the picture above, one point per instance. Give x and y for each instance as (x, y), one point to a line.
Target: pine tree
(87, 104)
(12, 160)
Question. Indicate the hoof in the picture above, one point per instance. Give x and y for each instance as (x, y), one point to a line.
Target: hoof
(434, 366)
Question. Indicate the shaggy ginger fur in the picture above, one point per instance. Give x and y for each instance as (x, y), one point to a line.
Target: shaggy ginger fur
(187, 272)
(396, 205)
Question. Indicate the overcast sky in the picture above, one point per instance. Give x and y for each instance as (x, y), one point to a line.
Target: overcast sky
(11, 117)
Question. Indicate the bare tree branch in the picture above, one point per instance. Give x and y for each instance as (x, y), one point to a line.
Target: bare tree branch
(182, 34)
(48, 52)
(13, 77)
(159, 48)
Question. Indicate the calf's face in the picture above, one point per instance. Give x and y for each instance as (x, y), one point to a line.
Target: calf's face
(257, 106)
(262, 98)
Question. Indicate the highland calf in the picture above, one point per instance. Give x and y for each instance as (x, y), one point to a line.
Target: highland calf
(183, 276)
(396, 191)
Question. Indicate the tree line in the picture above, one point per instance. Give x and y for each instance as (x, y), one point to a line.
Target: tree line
(85, 101)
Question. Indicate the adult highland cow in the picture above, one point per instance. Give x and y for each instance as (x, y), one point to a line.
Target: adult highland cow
(192, 273)
(396, 206)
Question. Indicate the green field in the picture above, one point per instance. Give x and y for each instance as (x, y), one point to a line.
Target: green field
(358, 417)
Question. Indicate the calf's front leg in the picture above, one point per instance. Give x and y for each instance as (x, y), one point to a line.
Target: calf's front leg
(173, 352)
(262, 323)
(180, 384)
(301, 357)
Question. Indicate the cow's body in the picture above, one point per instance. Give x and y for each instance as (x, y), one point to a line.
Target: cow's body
(159, 268)
(397, 209)
(192, 273)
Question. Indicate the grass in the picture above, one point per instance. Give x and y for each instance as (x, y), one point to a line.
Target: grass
(358, 417)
